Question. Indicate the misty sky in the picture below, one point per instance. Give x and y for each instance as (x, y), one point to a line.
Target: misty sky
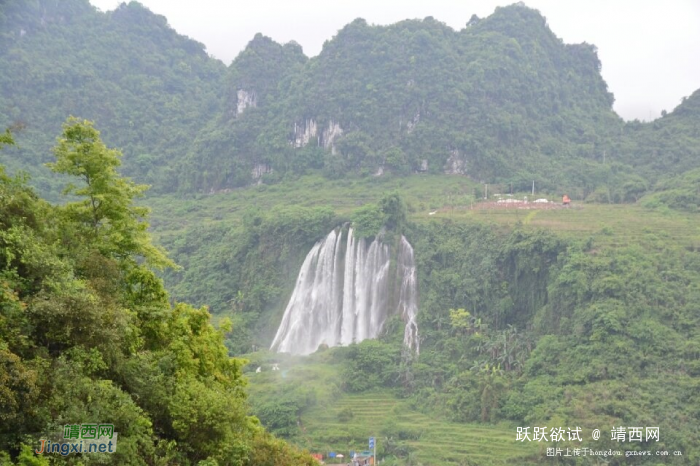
(650, 49)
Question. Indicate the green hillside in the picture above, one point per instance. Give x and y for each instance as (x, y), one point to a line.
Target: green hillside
(502, 100)
(341, 423)
(667, 146)
(573, 313)
(512, 102)
(530, 314)
(148, 88)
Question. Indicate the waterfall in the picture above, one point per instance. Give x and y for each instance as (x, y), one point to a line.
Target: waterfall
(343, 294)
(408, 294)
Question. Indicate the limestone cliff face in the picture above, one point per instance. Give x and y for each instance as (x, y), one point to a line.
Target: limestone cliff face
(331, 135)
(259, 170)
(245, 99)
(455, 165)
(307, 132)
(413, 122)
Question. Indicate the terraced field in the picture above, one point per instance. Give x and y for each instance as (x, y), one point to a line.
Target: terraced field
(433, 441)
(343, 423)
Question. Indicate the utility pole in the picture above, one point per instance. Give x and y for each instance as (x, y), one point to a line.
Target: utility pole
(533, 187)
(486, 191)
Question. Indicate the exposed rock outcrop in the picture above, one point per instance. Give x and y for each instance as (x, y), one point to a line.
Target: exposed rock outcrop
(330, 135)
(455, 165)
(259, 170)
(245, 99)
(305, 133)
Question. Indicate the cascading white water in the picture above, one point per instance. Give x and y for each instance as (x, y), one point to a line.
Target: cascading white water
(342, 295)
(408, 294)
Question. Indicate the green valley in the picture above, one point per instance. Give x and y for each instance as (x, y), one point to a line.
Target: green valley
(575, 291)
(450, 232)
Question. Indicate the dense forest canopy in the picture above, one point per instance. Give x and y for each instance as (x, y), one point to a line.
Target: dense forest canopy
(502, 100)
(87, 333)
(147, 87)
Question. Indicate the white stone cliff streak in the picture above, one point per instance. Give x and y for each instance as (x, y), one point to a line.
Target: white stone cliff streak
(303, 134)
(259, 170)
(413, 122)
(245, 99)
(330, 135)
(455, 164)
(306, 132)
(342, 295)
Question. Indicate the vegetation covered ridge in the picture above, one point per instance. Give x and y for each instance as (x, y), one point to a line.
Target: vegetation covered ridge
(501, 100)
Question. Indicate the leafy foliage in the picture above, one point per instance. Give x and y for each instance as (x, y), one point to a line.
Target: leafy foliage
(87, 333)
(147, 87)
(107, 213)
(681, 192)
(516, 326)
(371, 364)
(512, 104)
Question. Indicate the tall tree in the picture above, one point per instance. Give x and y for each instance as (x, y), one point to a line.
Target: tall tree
(107, 213)
(6, 139)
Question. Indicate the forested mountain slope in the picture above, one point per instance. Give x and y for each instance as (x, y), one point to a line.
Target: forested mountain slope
(149, 88)
(667, 146)
(563, 317)
(501, 100)
(236, 146)
(667, 153)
